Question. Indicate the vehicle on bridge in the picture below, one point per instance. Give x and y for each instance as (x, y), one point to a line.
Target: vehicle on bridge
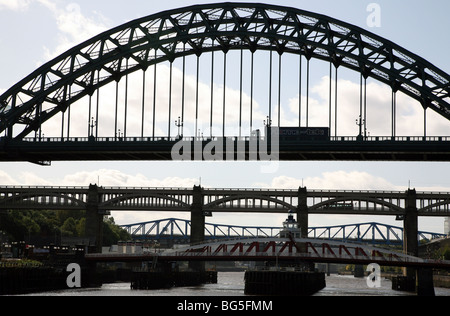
(341, 205)
(288, 134)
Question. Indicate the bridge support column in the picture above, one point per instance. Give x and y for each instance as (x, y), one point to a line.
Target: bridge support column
(197, 224)
(94, 220)
(302, 212)
(302, 220)
(410, 230)
(423, 277)
(197, 217)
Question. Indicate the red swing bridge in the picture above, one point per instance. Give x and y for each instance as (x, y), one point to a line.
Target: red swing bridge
(278, 250)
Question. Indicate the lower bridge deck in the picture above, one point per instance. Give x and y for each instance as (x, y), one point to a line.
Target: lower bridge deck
(278, 250)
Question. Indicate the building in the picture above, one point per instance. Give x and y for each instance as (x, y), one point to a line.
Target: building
(290, 228)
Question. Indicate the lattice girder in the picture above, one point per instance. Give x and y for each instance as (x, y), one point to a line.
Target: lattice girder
(165, 36)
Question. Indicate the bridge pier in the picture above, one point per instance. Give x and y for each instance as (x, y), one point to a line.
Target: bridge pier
(410, 230)
(303, 222)
(302, 212)
(197, 224)
(423, 277)
(197, 216)
(94, 219)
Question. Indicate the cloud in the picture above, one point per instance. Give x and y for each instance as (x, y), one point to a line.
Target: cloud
(344, 180)
(14, 5)
(73, 25)
(409, 112)
(32, 179)
(103, 177)
(116, 178)
(335, 180)
(6, 179)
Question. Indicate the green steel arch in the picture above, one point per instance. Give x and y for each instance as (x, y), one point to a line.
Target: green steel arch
(168, 35)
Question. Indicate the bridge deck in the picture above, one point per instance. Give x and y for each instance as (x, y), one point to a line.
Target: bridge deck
(160, 149)
(223, 200)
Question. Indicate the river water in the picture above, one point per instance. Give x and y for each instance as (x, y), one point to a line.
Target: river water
(232, 284)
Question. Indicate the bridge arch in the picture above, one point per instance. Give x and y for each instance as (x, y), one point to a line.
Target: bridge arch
(429, 209)
(194, 30)
(134, 201)
(221, 203)
(41, 200)
(347, 203)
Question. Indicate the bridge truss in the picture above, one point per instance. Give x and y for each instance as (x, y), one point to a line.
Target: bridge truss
(178, 231)
(73, 83)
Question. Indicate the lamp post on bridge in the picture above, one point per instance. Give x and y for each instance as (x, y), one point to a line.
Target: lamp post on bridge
(179, 123)
(361, 122)
(92, 125)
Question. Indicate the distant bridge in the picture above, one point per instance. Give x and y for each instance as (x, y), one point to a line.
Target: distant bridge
(178, 231)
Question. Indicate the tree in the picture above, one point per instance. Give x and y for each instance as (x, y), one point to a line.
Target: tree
(19, 225)
(112, 233)
(69, 228)
(81, 226)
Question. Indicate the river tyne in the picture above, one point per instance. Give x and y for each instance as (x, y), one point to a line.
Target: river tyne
(231, 284)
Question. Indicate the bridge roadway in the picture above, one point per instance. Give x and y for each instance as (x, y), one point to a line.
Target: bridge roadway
(279, 250)
(356, 202)
(44, 150)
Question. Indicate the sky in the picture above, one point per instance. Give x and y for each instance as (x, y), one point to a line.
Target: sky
(35, 31)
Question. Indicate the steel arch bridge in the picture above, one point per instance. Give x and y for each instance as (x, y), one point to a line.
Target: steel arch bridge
(57, 88)
(178, 230)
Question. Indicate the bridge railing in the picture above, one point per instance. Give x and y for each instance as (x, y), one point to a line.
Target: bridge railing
(44, 187)
(216, 190)
(391, 138)
(234, 138)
